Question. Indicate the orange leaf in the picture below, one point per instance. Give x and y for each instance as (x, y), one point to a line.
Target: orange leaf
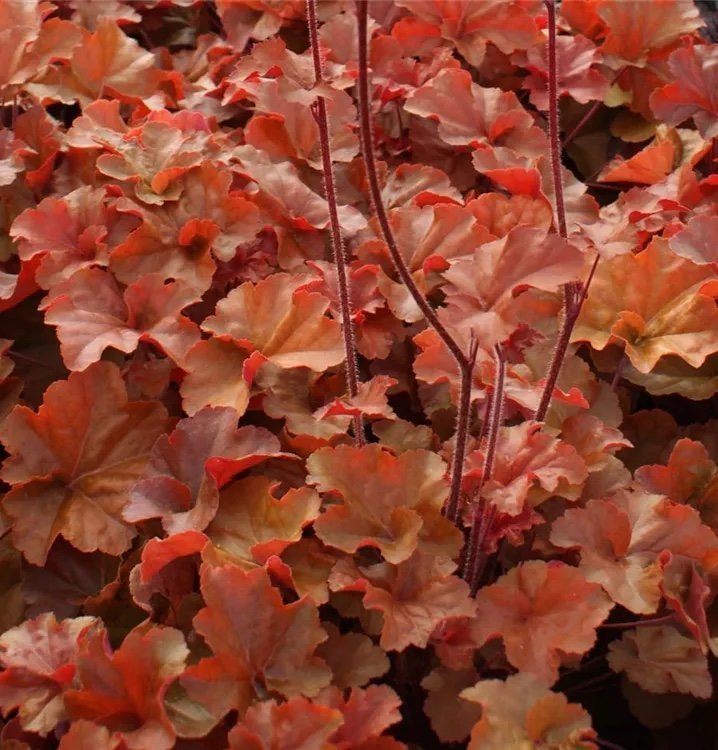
(286, 325)
(576, 75)
(85, 735)
(542, 612)
(69, 233)
(656, 304)
(451, 719)
(294, 725)
(693, 93)
(389, 502)
(470, 26)
(92, 313)
(353, 658)
(529, 467)
(38, 659)
(108, 62)
(650, 165)
(522, 712)
(186, 468)
(621, 538)
(215, 377)
(637, 31)
(469, 114)
(661, 660)
(689, 477)
(415, 596)
(73, 461)
(367, 712)
(259, 643)
(168, 568)
(251, 524)
(124, 690)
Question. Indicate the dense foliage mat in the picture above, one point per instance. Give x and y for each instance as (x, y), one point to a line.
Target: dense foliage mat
(358, 374)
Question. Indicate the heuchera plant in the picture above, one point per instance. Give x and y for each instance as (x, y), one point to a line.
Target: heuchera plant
(358, 374)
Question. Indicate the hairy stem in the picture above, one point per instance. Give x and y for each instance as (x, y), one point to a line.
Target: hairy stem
(553, 134)
(453, 508)
(646, 622)
(462, 360)
(338, 247)
(574, 292)
(483, 513)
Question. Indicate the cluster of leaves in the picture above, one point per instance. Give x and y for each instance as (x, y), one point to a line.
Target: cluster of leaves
(209, 539)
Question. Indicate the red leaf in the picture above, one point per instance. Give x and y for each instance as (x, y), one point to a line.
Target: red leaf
(76, 458)
(38, 659)
(389, 502)
(124, 690)
(259, 643)
(542, 612)
(186, 468)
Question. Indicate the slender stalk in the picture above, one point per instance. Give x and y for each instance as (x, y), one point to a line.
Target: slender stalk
(367, 141)
(462, 360)
(484, 514)
(574, 292)
(553, 133)
(589, 114)
(581, 123)
(646, 622)
(463, 415)
(338, 247)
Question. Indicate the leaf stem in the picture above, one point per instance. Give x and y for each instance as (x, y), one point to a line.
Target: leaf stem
(462, 360)
(319, 110)
(646, 622)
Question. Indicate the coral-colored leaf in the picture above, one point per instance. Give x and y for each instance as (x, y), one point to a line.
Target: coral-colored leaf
(661, 660)
(621, 538)
(415, 596)
(109, 61)
(259, 643)
(216, 377)
(522, 711)
(124, 690)
(489, 290)
(38, 659)
(689, 477)
(389, 502)
(296, 724)
(636, 31)
(353, 658)
(654, 303)
(469, 114)
(452, 720)
(695, 241)
(576, 75)
(284, 324)
(251, 524)
(72, 463)
(470, 26)
(92, 313)
(186, 468)
(693, 92)
(541, 611)
(529, 467)
(86, 735)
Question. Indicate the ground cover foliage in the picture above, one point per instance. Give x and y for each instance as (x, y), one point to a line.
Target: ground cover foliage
(358, 366)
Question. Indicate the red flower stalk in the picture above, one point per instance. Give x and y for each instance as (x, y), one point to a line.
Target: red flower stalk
(338, 247)
(463, 361)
